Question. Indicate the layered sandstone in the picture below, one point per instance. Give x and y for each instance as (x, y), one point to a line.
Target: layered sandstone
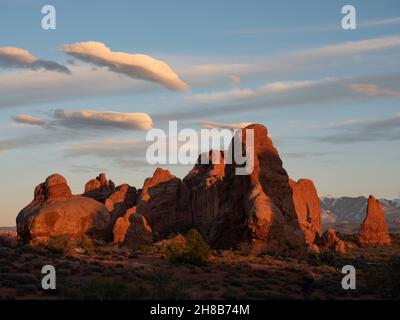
(204, 184)
(163, 201)
(99, 188)
(55, 211)
(132, 230)
(374, 230)
(258, 207)
(118, 202)
(308, 208)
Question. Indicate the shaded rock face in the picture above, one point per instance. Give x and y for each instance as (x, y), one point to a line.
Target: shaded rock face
(132, 230)
(258, 207)
(330, 241)
(374, 229)
(99, 188)
(204, 183)
(123, 198)
(163, 201)
(308, 208)
(55, 211)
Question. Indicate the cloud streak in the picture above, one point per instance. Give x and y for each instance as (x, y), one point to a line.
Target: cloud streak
(30, 120)
(373, 90)
(103, 119)
(137, 66)
(11, 57)
(292, 62)
(214, 124)
(91, 119)
(385, 129)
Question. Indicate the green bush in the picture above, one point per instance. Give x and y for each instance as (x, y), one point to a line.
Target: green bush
(60, 244)
(195, 251)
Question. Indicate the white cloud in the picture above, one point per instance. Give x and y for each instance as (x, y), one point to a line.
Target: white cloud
(214, 124)
(11, 57)
(381, 22)
(138, 66)
(30, 120)
(239, 94)
(29, 88)
(234, 79)
(100, 119)
(374, 90)
(326, 55)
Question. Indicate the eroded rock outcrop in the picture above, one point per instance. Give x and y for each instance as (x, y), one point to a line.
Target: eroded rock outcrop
(204, 184)
(55, 211)
(99, 188)
(374, 229)
(330, 241)
(163, 201)
(118, 202)
(308, 208)
(132, 230)
(258, 207)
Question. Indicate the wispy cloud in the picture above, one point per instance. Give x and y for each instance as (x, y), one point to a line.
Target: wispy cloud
(29, 88)
(237, 94)
(138, 66)
(127, 147)
(91, 119)
(278, 95)
(214, 124)
(385, 129)
(380, 22)
(29, 120)
(292, 62)
(374, 90)
(314, 29)
(103, 119)
(11, 57)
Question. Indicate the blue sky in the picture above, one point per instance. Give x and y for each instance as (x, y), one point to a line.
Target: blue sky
(329, 97)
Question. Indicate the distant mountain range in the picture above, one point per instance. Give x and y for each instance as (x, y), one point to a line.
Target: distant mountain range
(345, 214)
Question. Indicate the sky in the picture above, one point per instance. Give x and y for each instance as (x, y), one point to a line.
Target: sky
(78, 100)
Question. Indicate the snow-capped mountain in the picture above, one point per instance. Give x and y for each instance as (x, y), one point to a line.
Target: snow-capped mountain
(348, 212)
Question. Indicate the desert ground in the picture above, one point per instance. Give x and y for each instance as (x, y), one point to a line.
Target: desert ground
(102, 271)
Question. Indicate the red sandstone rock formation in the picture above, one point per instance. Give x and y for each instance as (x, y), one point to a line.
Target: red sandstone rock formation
(308, 207)
(258, 207)
(330, 241)
(54, 211)
(163, 201)
(374, 229)
(99, 188)
(123, 198)
(132, 230)
(204, 182)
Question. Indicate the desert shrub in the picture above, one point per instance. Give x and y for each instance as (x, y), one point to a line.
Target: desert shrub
(8, 240)
(245, 248)
(86, 243)
(60, 244)
(386, 282)
(104, 289)
(328, 257)
(195, 251)
(165, 286)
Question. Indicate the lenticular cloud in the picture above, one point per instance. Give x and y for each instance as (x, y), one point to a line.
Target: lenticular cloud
(11, 57)
(138, 66)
